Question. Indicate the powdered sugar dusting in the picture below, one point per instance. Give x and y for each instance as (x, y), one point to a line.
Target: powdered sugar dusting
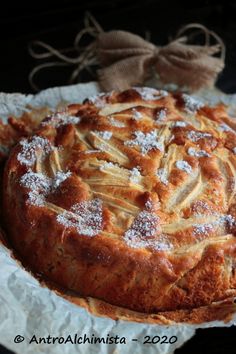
(28, 154)
(85, 217)
(197, 153)
(60, 119)
(107, 166)
(116, 123)
(135, 175)
(99, 99)
(36, 199)
(149, 205)
(229, 220)
(201, 208)
(234, 150)
(183, 166)
(59, 178)
(194, 136)
(162, 174)
(180, 124)
(223, 221)
(191, 104)
(225, 128)
(145, 225)
(146, 142)
(136, 114)
(40, 185)
(202, 229)
(150, 94)
(161, 115)
(36, 181)
(145, 232)
(106, 135)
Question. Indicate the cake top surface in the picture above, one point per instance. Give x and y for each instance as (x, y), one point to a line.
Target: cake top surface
(149, 169)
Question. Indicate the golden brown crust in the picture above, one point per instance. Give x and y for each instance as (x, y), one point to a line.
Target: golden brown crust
(129, 198)
(221, 311)
(16, 128)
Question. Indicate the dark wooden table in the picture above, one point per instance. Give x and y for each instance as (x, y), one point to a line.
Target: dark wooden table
(57, 23)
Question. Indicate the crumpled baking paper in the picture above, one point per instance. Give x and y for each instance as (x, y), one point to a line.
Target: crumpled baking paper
(28, 309)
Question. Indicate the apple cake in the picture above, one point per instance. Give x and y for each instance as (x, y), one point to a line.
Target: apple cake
(129, 198)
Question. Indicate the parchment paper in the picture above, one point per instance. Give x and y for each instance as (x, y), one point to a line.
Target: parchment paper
(28, 309)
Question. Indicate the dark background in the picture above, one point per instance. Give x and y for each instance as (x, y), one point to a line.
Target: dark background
(57, 22)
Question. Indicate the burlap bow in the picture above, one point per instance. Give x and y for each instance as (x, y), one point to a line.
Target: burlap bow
(127, 59)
